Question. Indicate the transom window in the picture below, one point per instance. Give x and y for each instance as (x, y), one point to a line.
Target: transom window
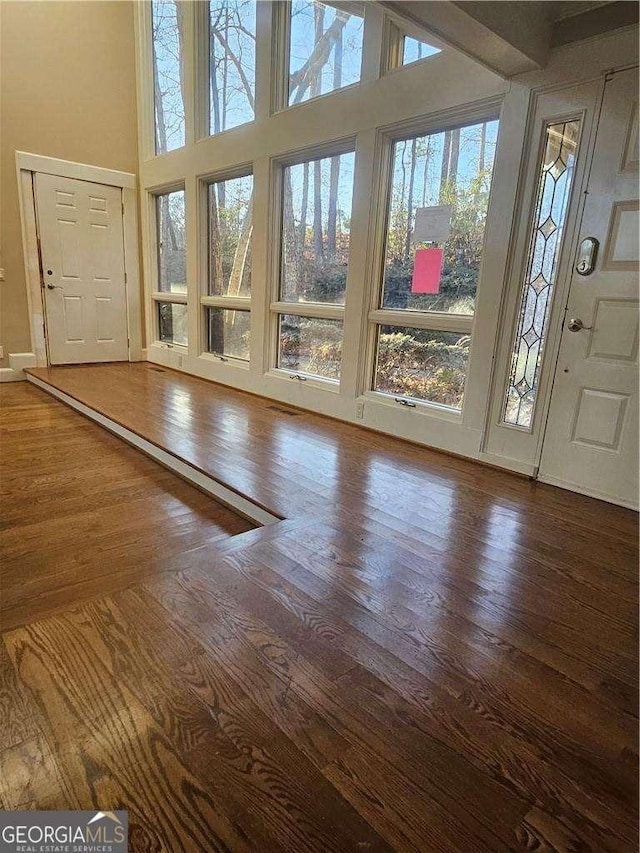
(232, 63)
(168, 33)
(413, 50)
(325, 48)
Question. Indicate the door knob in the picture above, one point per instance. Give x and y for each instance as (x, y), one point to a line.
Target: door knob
(54, 287)
(576, 325)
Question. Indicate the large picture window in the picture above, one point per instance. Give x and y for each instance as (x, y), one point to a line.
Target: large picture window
(325, 50)
(232, 63)
(168, 30)
(438, 199)
(316, 219)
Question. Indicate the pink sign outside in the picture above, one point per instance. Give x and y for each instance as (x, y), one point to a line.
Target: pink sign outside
(427, 271)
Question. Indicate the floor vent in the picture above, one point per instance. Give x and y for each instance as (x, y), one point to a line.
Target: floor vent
(284, 411)
(158, 369)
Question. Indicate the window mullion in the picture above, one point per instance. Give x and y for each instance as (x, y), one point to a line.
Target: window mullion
(309, 309)
(424, 320)
(229, 303)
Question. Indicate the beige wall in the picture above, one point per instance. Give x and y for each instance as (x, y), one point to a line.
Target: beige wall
(67, 91)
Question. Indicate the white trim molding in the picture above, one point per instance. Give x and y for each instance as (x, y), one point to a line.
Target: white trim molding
(27, 165)
(17, 363)
(69, 169)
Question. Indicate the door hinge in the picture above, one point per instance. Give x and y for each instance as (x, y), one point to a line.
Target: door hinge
(125, 278)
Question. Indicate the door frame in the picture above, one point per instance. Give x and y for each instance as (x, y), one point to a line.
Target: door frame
(27, 166)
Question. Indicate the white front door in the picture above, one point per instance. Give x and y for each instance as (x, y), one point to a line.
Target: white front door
(80, 226)
(591, 439)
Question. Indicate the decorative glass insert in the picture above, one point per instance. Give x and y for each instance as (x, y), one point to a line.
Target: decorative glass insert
(316, 223)
(232, 63)
(414, 50)
(230, 229)
(552, 204)
(422, 364)
(325, 50)
(436, 214)
(310, 345)
(229, 333)
(168, 30)
(172, 323)
(172, 257)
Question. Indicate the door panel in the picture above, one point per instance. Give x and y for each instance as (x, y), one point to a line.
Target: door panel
(81, 236)
(591, 440)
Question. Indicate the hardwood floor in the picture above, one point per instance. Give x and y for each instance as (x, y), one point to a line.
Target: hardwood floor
(426, 655)
(83, 512)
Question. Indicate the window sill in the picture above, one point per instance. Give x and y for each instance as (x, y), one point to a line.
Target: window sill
(307, 379)
(225, 360)
(421, 407)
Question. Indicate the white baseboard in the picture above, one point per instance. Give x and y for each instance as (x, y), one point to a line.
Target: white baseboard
(202, 481)
(17, 362)
(590, 493)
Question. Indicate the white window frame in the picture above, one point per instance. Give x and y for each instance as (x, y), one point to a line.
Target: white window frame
(506, 444)
(228, 303)
(377, 315)
(459, 91)
(155, 295)
(278, 306)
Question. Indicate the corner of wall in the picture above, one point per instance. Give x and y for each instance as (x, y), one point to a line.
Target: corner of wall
(18, 361)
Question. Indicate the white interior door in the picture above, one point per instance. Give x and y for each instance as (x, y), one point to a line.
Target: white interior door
(80, 226)
(591, 440)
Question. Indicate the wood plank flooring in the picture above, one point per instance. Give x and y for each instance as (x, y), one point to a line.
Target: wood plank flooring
(82, 511)
(426, 655)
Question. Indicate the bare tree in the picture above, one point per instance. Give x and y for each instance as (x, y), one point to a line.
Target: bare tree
(412, 174)
(334, 177)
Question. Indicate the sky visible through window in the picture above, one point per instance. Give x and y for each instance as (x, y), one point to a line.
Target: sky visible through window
(167, 18)
(232, 63)
(325, 51)
(414, 50)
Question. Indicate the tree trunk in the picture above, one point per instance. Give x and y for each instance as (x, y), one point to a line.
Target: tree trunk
(412, 175)
(213, 81)
(304, 77)
(291, 268)
(302, 232)
(425, 177)
(483, 146)
(444, 170)
(225, 69)
(318, 15)
(161, 127)
(215, 253)
(216, 322)
(454, 157)
(242, 249)
(334, 177)
(180, 24)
